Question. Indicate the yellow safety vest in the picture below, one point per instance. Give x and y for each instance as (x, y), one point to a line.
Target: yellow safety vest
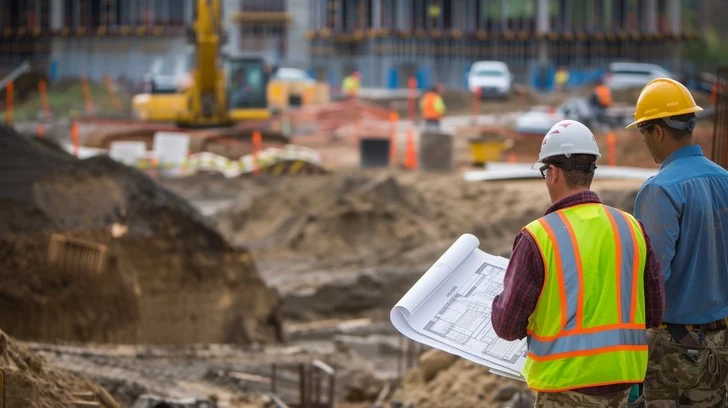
(350, 86)
(588, 328)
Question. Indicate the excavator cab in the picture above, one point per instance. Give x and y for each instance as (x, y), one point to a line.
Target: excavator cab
(246, 80)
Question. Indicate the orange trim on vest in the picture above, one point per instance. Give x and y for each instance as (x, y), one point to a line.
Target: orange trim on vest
(589, 330)
(618, 260)
(586, 353)
(545, 265)
(559, 269)
(635, 268)
(593, 385)
(579, 271)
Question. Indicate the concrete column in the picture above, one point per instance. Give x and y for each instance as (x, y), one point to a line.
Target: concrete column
(56, 20)
(297, 52)
(402, 22)
(542, 17)
(674, 12)
(504, 14)
(542, 27)
(651, 16)
(675, 16)
(377, 14)
(230, 7)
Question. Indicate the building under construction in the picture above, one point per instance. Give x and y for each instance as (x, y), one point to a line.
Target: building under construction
(437, 40)
(387, 40)
(127, 38)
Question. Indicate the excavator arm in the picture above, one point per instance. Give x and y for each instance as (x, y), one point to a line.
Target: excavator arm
(206, 98)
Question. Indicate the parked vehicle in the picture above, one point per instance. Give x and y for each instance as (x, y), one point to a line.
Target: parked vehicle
(625, 75)
(292, 75)
(492, 78)
(539, 119)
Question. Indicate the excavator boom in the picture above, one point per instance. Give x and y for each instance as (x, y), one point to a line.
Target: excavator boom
(206, 98)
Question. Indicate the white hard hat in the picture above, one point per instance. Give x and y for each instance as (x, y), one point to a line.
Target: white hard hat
(566, 138)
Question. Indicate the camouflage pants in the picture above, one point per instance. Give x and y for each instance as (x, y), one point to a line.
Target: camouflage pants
(576, 399)
(674, 380)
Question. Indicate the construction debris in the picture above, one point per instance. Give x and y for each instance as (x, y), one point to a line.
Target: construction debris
(344, 120)
(28, 381)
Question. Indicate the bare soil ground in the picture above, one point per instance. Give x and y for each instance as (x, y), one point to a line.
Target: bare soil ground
(317, 261)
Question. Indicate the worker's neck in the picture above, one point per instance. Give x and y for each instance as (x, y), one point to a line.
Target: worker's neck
(560, 194)
(676, 145)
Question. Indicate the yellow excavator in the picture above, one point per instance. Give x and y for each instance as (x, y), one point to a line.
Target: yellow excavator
(221, 91)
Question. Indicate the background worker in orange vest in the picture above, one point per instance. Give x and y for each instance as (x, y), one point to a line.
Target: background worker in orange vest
(583, 284)
(432, 107)
(601, 100)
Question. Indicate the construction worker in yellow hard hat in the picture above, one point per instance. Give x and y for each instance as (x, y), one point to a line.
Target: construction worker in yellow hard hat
(683, 209)
(432, 107)
(582, 285)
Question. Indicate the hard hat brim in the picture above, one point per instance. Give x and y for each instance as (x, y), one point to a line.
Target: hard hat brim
(539, 163)
(692, 109)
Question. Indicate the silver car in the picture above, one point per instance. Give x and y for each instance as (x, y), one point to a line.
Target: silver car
(625, 75)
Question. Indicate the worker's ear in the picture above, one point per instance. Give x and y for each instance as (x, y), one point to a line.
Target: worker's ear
(659, 133)
(554, 174)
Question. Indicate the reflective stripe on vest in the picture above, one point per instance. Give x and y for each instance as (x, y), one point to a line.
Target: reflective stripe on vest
(609, 339)
(591, 307)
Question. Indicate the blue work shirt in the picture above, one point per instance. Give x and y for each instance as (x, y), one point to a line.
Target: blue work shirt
(684, 209)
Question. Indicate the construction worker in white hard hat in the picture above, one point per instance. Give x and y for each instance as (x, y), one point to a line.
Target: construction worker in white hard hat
(684, 208)
(582, 285)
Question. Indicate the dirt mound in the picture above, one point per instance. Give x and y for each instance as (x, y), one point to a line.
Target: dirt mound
(31, 383)
(170, 276)
(351, 216)
(459, 383)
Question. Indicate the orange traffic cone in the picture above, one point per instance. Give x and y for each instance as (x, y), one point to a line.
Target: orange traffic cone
(41, 131)
(74, 137)
(410, 151)
(257, 142)
(393, 119)
(611, 149)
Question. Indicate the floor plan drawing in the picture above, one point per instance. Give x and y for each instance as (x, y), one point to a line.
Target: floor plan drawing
(449, 308)
(465, 318)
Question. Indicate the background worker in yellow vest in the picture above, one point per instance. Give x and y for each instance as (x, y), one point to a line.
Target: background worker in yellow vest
(432, 107)
(561, 78)
(684, 208)
(351, 84)
(582, 285)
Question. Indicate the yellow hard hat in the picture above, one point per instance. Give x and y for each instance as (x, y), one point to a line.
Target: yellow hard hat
(663, 98)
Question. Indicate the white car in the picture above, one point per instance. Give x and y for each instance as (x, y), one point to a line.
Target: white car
(293, 75)
(492, 78)
(625, 75)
